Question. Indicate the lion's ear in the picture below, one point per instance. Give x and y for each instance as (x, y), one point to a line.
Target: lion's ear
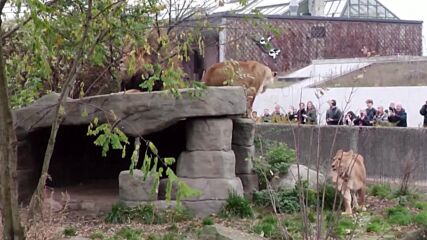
(351, 152)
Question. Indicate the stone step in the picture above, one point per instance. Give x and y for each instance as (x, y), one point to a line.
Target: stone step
(210, 188)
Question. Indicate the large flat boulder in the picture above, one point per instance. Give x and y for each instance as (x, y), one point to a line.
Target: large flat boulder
(133, 186)
(136, 113)
(289, 180)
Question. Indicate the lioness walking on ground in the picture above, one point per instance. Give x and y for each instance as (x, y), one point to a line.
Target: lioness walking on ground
(252, 75)
(348, 174)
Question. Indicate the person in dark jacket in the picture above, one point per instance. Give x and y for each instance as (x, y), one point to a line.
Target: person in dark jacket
(398, 116)
(423, 112)
(370, 111)
(334, 114)
(301, 113)
(349, 118)
(362, 119)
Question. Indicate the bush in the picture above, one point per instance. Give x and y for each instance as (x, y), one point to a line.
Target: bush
(277, 159)
(286, 201)
(399, 215)
(236, 206)
(376, 225)
(207, 221)
(421, 219)
(382, 191)
(70, 232)
(267, 227)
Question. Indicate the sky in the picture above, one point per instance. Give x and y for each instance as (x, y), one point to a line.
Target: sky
(410, 10)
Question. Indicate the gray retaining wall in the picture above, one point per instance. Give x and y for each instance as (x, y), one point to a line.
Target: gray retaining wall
(384, 149)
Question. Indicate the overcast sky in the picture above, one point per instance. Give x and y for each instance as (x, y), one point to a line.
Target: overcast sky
(410, 10)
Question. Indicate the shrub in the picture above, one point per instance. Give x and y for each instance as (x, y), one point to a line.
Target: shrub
(70, 232)
(280, 156)
(331, 194)
(207, 221)
(383, 191)
(399, 215)
(286, 201)
(268, 227)
(376, 225)
(277, 159)
(236, 206)
(421, 219)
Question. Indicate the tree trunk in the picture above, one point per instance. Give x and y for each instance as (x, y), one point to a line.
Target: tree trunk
(12, 229)
(36, 202)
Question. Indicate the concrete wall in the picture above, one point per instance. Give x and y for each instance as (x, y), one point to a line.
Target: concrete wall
(412, 98)
(384, 149)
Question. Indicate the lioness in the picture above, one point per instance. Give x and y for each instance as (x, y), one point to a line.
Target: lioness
(348, 174)
(254, 76)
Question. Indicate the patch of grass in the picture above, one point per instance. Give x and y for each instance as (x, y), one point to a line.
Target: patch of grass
(382, 191)
(421, 219)
(97, 236)
(344, 227)
(376, 225)
(207, 221)
(172, 236)
(70, 232)
(119, 213)
(127, 233)
(294, 225)
(399, 215)
(421, 205)
(268, 227)
(236, 206)
(286, 201)
(147, 214)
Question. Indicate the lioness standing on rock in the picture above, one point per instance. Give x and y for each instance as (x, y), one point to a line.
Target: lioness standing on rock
(252, 75)
(348, 174)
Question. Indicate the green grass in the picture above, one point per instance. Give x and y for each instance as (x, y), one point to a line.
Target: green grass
(421, 219)
(399, 215)
(146, 214)
(344, 226)
(70, 232)
(207, 221)
(382, 191)
(376, 225)
(236, 206)
(268, 227)
(97, 236)
(421, 205)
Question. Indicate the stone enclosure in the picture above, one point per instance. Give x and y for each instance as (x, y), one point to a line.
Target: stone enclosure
(207, 135)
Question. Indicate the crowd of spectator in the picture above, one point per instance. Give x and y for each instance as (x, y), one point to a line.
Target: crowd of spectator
(394, 115)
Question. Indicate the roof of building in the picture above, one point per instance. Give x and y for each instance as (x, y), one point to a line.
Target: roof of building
(370, 9)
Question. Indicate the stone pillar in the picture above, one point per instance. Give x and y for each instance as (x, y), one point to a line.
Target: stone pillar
(208, 164)
(244, 150)
(27, 171)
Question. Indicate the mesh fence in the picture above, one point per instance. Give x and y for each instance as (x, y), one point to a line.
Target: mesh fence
(301, 40)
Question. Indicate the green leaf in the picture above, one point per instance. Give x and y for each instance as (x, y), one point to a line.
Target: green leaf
(169, 161)
(153, 148)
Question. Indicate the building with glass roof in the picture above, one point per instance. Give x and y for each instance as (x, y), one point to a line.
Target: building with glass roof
(371, 9)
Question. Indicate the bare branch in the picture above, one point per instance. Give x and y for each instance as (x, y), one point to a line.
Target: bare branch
(23, 23)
